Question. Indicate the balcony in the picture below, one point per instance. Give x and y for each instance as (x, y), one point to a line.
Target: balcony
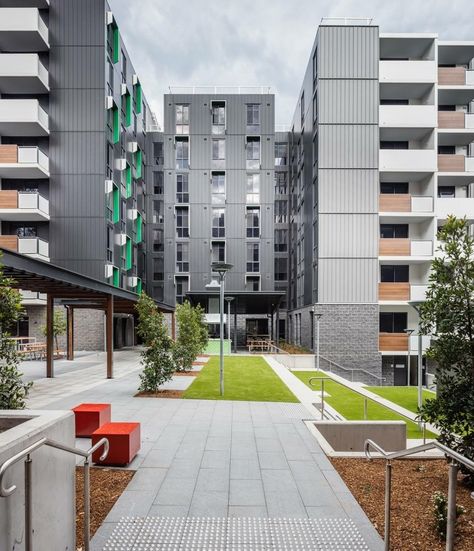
(401, 292)
(22, 206)
(419, 162)
(404, 202)
(457, 206)
(393, 342)
(23, 117)
(32, 298)
(455, 76)
(416, 71)
(32, 246)
(23, 74)
(455, 163)
(406, 247)
(23, 162)
(22, 30)
(407, 116)
(455, 120)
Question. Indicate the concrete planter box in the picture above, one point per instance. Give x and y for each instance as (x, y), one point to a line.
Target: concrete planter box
(53, 480)
(346, 438)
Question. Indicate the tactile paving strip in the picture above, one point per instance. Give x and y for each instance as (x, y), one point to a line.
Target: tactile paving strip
(235, 534)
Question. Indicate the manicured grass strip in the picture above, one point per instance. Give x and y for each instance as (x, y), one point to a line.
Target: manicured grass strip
(404, 396)
(351, 405)
(245, 378)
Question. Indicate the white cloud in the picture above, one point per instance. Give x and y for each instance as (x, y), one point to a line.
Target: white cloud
(257, 42)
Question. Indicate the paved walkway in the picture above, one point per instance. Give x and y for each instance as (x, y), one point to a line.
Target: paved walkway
(222, 461)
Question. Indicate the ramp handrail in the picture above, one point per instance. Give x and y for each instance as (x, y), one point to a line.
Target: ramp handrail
(26, 453)
(456, 459)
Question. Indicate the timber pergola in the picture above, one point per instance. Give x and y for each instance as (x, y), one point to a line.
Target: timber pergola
(71, 290)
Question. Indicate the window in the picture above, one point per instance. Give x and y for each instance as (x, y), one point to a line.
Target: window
(446, 107)
(182, 287)
(218, 222)
(281, 269)
(158, 153)
(393, 145)
(315, 67)
(302, 108)
(218, 251)
(182, 153)
(253, 221)
(394, 274)
(446, 191)
(182, 191)
(157, 212)
(253, 257)
(158, 269)
(253, 152)
(158, 183)
(110, 243)
(394, 231)
(182, 119)
(280, 183)
(252, 283)
(158, 241)
(218, 117)
(393, 187)
(315, 107)
(393, 102)
(281, 241)
(393, 322)
(124, 67)
(446, 149)
(182, 222)
(218, 149)
(281, 211)
(253, 114)
(218, 188)
(253, 189)
(281, 154)
(182, 257)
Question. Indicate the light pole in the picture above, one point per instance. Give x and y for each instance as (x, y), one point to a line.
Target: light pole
(221, 268)
(416, 306)
(229, 300)
(316, 317)
(408, 332)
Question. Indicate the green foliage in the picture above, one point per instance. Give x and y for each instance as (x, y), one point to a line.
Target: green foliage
(59, 326)
(440, 512)
(157, 361)
(192, 335)
(448, 315)
(13, 392)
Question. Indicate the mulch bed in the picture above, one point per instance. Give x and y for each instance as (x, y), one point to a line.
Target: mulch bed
(160, 394)
(106, 487)
(185, 373)
(413, 484)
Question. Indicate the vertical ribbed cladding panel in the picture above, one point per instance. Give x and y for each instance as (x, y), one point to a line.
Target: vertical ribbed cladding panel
(77, 23)
(355, 277)
(350, 191)
(349, 101)
(348, 52)
(348, 236)
(348, 146)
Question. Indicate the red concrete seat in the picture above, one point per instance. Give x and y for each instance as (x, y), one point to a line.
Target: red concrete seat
(124, 443)
(89, 417)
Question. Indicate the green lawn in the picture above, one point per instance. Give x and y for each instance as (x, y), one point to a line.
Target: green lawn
(404, 396)
(245, 378)
(351, 405)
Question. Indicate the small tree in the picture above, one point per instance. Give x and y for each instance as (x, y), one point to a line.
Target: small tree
(192, 335)
(59, 326)
(157, 361)
(448, 315)
(13, 392)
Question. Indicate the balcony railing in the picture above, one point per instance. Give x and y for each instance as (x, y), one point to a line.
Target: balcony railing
(404, 202)
(23, 117)
(401, 71)
(22, 73)
(407, 116)
(11, 154)
(456, 206)
(455, 163)
(31, 202)
(455, 76)
(407, 160)
(393, 342)
(405, 247)
(401, 291)
(26, 245)
(23, 29)
(455, 119)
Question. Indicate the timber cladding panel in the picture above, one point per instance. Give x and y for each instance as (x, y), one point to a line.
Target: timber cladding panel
(396, 342)
(394, 247)
(8, 154)
(8, 199)
(394, 291)
(451, 163)
(451, 75)
(9, 242)
(395, 202)
(451, 119)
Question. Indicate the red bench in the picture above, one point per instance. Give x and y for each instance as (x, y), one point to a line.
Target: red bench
(90, 417)
(124, 443)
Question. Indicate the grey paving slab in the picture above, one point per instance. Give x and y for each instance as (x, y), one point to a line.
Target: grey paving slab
(246, 492)
(272, 460)
(132, 503)
(247, 511)
(175, 491)
(147, 479)
(209, 504)
(215, 459)
(247, 468)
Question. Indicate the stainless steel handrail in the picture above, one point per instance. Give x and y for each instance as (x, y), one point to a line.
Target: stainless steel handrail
(26, 453)
(366, 398)
(352, 369)
(456, 459)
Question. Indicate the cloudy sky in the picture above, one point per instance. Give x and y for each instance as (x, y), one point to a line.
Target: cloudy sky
(258, 42)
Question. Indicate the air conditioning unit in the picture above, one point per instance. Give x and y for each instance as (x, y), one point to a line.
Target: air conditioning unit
(121, 164)
(109, 270)
(109, 186)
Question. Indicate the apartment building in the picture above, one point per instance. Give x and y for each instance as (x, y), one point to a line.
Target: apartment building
(379, 156)
(73, 122)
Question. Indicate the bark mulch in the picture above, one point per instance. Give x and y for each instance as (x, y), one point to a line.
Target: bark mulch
(185, 373)
(106, 487)
(160, 394)
(413, 484)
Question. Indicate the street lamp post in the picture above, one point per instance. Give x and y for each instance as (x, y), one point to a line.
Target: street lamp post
(229, 300)
(317, 317)
(408, 332)
(416, 306)
(221, 268)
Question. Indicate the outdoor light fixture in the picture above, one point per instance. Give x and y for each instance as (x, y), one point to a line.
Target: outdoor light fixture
(221, 268)
(228, 300)
(415, 304)
(318, 317)
(408, 332)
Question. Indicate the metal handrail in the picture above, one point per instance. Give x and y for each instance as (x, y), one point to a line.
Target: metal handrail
(26, 453)
(352, 369)
(456, 459)
(366, 398)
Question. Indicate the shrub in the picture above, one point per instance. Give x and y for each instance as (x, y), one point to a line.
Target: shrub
(192, 335)
(440, 511)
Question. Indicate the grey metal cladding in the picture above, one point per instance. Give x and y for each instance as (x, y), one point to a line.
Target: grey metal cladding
(348, 52)
(80, 200)
(348, 235)
(354, 281)
(77, 22)
(348, 146)
(349, 101)
(349, 191)
(77, 153)
(77, 110)
(83, 66)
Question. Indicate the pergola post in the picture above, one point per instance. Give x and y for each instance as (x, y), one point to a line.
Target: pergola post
(49, 336)
(277, 328)
(271, 327)
(109, 335)
(173, 326)
(70, 333)
(235, 325)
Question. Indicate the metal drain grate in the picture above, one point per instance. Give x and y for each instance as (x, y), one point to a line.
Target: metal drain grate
(234, 534)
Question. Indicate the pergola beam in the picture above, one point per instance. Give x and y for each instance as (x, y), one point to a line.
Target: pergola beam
(49, 337)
